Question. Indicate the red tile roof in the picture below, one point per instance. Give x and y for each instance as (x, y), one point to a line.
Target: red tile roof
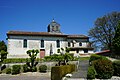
(77, 36)
(103, 52)
(19, 33)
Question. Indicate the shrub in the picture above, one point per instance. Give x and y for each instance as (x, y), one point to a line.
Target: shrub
(34, 69)
(16, 69)
(116, 66)
(0, 72)
(75, 59)
(91, 72)
(72, 55)
(3, 67)
(8, 71)
(57, 76)
(47, 58)
(103, 68)
(19, 60)
(94, 57)
(32, 64)
(42, 68)
(25, 68)
(73, 67)
(15, 60)
(61, 71)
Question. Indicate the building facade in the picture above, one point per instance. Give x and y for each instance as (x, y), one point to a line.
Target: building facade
(47, 43)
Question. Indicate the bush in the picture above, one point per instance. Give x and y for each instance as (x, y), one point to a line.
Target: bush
(61, 71)
(73, 67)
(34, 69)
(25, 68)
(15, 60)
(104, 68)
(8, 71)
(3, 67)
(19, 60)
(0, 72)
(91, 72)
(94, 57)
(116, 66)
(47, 58)
(16, 69)
(42, 68)
(72, 55)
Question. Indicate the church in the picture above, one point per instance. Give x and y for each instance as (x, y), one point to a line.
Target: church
(48, 43)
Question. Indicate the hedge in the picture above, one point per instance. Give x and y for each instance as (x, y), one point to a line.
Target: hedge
(15, 60)
(8, 71)
(25, 68)
(16, 69)
(19, 60)
(42, 68)
(116, 66)
(104, 68)
(91, 72)
(94, 57)
(58, 72)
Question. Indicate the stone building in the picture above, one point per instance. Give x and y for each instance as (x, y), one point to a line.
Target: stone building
(47, 43)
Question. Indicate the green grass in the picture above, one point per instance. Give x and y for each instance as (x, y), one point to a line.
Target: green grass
(84, 58)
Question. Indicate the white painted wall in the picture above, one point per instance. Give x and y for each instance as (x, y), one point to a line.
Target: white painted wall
(15, 45)
(16, 50)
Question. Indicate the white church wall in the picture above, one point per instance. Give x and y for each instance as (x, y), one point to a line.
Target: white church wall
(15, 45)
(81, 51)
(15, 48)
(91, 51)
(84, 44)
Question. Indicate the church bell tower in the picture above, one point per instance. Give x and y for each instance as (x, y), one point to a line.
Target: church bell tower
(54, 27)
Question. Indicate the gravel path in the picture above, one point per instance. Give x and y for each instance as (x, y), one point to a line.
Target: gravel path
(27, 76)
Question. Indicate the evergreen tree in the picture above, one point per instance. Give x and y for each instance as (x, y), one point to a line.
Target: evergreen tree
(116, 41)
(3, 51)
(3, 46)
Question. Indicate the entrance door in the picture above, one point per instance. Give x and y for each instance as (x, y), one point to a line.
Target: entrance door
(42, 53)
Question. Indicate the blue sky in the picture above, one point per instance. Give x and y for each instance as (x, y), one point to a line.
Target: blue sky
(75, 16)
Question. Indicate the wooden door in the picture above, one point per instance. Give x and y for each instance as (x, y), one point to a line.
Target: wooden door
(42, 53)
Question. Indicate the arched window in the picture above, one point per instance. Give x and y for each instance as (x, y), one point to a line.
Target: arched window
(58, 43)
(80, 44)
(69, 44)
(42, 43)
(25, 43)
(85, 50)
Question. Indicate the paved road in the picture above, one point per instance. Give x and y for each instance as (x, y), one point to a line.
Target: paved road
(82, 69)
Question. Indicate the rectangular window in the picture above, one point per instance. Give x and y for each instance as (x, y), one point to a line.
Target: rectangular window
(42, 43)
(58, 43)
(25, 43)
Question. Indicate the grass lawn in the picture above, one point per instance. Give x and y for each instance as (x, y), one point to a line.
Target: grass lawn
(84, 58)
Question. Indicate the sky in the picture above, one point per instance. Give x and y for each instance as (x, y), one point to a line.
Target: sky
(74, 16)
